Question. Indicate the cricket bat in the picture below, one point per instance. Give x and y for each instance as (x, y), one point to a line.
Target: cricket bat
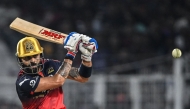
(37, 31)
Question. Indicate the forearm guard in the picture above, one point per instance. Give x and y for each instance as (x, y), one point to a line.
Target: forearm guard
(64, 69)
(85, 71)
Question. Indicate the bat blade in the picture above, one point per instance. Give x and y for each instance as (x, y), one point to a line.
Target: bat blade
(37, 31)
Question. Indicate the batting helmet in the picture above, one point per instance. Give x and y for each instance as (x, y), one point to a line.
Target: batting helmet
(28, 46)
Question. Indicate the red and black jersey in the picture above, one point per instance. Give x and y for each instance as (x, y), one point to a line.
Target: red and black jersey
(49, 99)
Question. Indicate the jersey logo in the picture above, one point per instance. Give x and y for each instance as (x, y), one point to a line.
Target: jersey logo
(23, 81)
(50, 70)
(32, 83)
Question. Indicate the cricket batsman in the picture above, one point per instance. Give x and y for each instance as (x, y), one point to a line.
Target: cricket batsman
(39, 83)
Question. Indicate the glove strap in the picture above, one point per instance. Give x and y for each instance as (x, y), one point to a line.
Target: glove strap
(70, 55)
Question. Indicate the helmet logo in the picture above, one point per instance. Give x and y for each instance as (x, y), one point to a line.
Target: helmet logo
(29, 46)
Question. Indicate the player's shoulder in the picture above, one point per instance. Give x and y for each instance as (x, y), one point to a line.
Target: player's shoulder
(51, 66)
(25, 77)
(51, 61)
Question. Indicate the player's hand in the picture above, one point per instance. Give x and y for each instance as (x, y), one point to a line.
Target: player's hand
(90, 43)
(72, 41)
(86, 53)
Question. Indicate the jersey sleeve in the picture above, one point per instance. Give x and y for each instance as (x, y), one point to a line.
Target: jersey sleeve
(28, 84)
(51, 67)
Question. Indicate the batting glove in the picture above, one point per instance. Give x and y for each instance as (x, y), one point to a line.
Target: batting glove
(90, 43)
(71, 43)
(86, 53)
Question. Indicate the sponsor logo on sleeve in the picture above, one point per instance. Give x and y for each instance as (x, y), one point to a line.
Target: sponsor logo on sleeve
(50, 70)
(20, 84)
(32, 83)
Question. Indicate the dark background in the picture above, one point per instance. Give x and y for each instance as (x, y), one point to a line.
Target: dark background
(126, 30)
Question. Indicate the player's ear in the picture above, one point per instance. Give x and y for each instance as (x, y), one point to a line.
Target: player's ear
(18, 59)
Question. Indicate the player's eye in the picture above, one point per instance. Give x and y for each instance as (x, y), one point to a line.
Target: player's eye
(27, 58)
(34, 56)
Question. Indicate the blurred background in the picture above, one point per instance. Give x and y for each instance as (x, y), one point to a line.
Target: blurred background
(133, 68)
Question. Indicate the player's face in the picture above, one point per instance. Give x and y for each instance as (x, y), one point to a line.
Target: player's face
(31, 61)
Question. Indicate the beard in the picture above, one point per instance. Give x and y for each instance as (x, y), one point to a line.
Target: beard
(33, 68)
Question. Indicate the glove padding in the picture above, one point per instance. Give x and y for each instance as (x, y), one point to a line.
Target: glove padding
(89, 43)
(72, 41)
(86, 53)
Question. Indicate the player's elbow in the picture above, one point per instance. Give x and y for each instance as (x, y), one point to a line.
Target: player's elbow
(59, 80)
(84, 80)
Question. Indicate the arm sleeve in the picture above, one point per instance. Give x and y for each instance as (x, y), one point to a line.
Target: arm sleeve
(51, 67)
(85, 71)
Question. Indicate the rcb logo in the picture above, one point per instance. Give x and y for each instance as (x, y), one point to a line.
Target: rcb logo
(29, 46)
